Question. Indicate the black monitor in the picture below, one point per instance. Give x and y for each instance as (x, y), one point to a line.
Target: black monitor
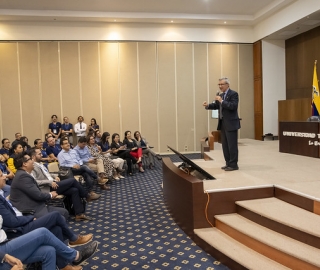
(206, 175)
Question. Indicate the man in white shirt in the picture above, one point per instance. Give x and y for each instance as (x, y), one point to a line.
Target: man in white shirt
(80, 128)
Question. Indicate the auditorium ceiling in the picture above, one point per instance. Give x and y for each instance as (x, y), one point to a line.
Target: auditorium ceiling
(197, 12)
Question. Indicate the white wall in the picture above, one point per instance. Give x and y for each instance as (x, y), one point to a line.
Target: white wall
(123, 32)
(274, 82)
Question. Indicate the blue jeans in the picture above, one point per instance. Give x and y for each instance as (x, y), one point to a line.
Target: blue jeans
(39, 245)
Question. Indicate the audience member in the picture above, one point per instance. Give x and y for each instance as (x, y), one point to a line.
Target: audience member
(5, 170)
(107, 151)
(146, 150)
(17, 149)
(119, 149)
(93, 125)
(13, 219)
(68, 187)
(80, 128)
(25, 143)
(25, 192)
(97, 136)
(135, 151)
(67, 129)
(42, 246)
(111, 167)
(55, 128)
(5, 150)
(17, 140)
(46, 136)
(38, 144)
(95, 164)
(69, 158)
(53, 149)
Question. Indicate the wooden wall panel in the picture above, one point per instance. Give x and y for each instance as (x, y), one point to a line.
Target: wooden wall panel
(185, 97)
(50, 81)
(301, 52)
(30, 92)
(129, 97)
(70, 81)
(230, 68)
(10, 96)
(201, 94)
(258, 90)
(294, 109)
(90, 81)
(148, 92)
(167, 95)
(110, 91)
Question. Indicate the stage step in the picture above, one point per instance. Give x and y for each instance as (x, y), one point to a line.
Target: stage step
(285, 250)
(285, 214)
(236, 251)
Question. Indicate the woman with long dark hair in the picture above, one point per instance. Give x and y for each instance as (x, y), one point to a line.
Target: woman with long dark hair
(119, 149)
(135, 151)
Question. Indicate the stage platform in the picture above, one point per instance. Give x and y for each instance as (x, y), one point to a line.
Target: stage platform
(261, 164)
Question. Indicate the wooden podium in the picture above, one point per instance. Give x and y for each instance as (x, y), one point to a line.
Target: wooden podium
(300, 138)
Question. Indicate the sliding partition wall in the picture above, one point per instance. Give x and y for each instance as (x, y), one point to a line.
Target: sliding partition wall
(155, 87)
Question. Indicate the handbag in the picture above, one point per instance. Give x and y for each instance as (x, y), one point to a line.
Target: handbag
(65, 173)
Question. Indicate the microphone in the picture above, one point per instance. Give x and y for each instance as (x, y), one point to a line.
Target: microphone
(218, 93)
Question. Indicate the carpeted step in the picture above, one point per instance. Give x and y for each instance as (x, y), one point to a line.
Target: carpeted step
(284, 218)
(285, 250)
(236, 251)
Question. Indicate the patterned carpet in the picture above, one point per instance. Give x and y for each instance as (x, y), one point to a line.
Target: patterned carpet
(136, 231)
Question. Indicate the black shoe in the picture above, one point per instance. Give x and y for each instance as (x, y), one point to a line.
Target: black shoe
(86, 253)
(159, 157)
(228, 169)
(224, 167)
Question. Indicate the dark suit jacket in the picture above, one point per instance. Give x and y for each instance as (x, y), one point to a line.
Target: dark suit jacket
(25, 194)
(229, 108)
(10, 220)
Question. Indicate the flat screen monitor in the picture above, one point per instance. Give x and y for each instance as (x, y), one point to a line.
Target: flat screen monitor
(194, 166)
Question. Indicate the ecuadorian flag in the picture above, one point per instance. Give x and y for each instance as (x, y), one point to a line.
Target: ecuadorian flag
(315, 93)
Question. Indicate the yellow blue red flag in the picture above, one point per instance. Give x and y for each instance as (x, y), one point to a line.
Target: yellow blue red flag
(315, 92)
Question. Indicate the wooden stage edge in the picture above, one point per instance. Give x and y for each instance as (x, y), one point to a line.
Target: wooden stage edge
(186, 199)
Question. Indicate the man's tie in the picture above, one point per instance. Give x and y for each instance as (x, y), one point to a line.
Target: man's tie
(220, 107)
(80, 126)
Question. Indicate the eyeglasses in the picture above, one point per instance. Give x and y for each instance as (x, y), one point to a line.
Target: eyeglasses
(220, 84)
(27, 159)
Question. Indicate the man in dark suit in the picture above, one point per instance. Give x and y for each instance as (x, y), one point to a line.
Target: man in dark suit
(25, 192)
(229, 122)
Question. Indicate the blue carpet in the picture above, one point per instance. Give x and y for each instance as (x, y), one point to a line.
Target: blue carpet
(135, 230)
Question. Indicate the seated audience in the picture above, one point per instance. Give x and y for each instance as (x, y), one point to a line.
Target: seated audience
(24, 141)
(111, 167)
(142, 142)
(95, 164)
(68, 187)
(42, 246)
(107, 151)
(69, 158)
(17, 140)
(5, 150)
(25, 192)
(67, 129)
(80, 128)
(135, 151)
(5, 170)
(119, 149)
(93, 125)
(53, 149)
(17, 149)
(45, 159)
(97, 136)
(55, 128)
(45, 144)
